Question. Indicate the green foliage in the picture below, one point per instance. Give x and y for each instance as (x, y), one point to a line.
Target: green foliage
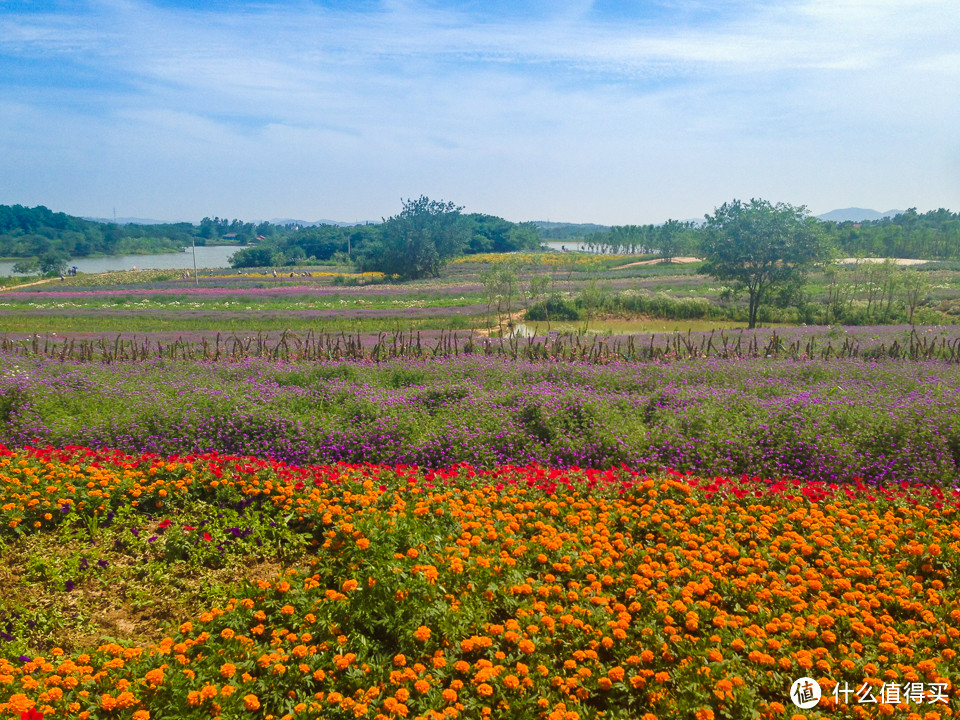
(257, 256)
(34, 232)
(419, 241)
(554, 307)
(760, 247)
(53, 263)
(671, 239)
(934, 234)
(29, 266)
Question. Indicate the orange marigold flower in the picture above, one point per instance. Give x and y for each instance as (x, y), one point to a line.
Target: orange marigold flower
(484, 689)
(228, 670)
(251, 702)
(449, 695)
(422, 633)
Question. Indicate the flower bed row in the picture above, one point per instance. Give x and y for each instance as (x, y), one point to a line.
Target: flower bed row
(522, 592)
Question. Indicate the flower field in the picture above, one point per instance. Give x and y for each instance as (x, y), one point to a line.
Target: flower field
(515, 592)
(829, 421)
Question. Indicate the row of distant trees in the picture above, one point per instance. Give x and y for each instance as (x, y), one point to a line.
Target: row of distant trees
(415, 243)
(932, 235)
(427, 233)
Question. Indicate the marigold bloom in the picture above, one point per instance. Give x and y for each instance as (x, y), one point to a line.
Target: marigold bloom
(251, 702)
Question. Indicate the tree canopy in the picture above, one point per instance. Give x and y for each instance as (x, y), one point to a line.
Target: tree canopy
(761, 247)
(419, 241)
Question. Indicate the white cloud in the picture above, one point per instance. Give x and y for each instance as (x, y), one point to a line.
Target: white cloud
(530, 116)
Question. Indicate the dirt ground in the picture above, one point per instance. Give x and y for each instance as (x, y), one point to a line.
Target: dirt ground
(655, 261)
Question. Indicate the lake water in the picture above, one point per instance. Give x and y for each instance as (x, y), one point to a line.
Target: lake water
(207, 257)
(569, 245)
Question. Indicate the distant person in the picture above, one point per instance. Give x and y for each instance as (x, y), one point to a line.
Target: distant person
(134, 268)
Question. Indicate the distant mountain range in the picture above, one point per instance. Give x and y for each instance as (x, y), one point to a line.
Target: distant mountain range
(131, 221)
(857, 215)
(315, 223)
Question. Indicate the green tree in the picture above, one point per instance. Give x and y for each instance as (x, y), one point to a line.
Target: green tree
(759, 246)
(915, 286)
(28, 266)
(258, 256)
(54, 263)
(500, 283)
(419, 241)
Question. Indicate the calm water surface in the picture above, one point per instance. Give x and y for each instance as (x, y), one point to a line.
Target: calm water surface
(207, 257)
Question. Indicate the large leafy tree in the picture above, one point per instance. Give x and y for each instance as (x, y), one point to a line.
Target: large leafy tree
(761, 247)
(419, 241)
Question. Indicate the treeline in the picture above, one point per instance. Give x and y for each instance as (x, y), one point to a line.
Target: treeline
(671, 239)
(46, 239)
(933, 235)
(36, 232)
(422, 239)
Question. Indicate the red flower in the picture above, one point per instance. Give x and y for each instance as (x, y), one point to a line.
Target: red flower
(164, 524)
(206, 536)
(189, 527)
(31, 714)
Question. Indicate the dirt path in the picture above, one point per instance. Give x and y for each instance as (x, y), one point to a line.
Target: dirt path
(17, 287)
(655, 261)
(508, 322)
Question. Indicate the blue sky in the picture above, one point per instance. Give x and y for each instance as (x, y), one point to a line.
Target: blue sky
(580, 111)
